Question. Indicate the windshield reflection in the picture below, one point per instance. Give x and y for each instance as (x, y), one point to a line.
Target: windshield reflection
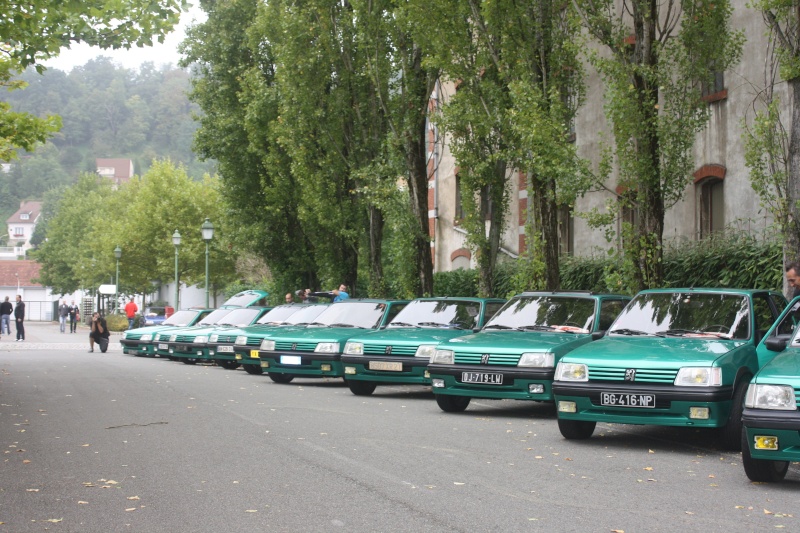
(352, 314)
(439, 313)
(545, 313)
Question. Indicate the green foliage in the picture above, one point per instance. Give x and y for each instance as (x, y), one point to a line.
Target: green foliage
(117, 322)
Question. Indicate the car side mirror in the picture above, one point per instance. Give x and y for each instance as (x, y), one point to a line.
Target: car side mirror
(775, 344)
(598, 334)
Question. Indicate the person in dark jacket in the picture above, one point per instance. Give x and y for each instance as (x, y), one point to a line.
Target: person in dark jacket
(99, 333)
(19, 316)
(6, 308)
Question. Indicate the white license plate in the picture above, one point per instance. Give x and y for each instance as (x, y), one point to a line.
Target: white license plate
(391, 366)
(627, 400)
(290, 360)
(224, 349)
(163, 347)
(482, 377)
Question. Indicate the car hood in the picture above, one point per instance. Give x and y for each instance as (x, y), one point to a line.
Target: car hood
(409, 336)
(652, 352)
(783, 369)
(150, 329)
(515, 342)
(316, 334)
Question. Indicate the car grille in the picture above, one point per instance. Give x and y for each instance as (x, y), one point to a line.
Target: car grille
(185, 338)
(226, 339)
(494, 359)
(254, 341)
(286, 346)
(163, 337)
(380, 349)
(647, 375)
(133, 336)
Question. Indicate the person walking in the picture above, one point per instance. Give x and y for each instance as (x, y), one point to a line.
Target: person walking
(19, 316)
(63, 313)
(6, 308)
(130, 312)
(99, 333)
(74, 316)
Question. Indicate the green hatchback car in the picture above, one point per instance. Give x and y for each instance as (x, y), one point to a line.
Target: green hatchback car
(141, 342)
(514, 355)
(400, 353)
(771, 417)
(316, 350)
(674, 357)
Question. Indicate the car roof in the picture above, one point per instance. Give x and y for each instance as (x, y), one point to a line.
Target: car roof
(571, 293)
(460, 298)
(715, 290)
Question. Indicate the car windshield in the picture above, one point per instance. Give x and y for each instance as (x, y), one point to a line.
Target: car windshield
(685, 314)
(352, 314)
(306, 315)
(545, 313)
(245, 298)
(438, 314)
(240, 317)
(181, 318)
(154, 311)
(279, 314)
(214, 317)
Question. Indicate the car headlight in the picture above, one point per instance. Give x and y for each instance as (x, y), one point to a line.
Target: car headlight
(147, 337)
(536, 359)
(268, 345)
(173, 338)
(701, 376)
(572, 372)
(443, 357)
(354, 348)
(327, 347)
(426, 351)
(770, 397)
(200, 339)
(213, 338)
(241, 340)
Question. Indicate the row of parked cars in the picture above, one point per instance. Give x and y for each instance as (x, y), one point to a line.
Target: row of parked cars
(702, 358)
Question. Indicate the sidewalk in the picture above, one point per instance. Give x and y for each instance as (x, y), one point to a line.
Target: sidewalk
(47, 336)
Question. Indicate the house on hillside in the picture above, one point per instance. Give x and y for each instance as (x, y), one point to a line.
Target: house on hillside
(20, 229)
(119, 171)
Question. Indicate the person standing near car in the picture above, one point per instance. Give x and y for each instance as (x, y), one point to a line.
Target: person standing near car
(74, 315)
(99, 333)
(130, 312)
(341, 294)
(793, 279)
(5, 317)
(19, 316)
(63, 313)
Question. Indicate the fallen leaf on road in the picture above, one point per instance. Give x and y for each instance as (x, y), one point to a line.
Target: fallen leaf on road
(648, 468)
(130, 509)
(251, 511)
(457, 483)
(82, 502)
(54, 520)
(31, 490)
(133, 497)
(767, 512)
(26, 461)
(689, 512)
(650, 451)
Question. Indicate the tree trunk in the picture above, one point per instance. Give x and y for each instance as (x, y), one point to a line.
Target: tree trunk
(544, 213)
(791, 243)
(377, 286)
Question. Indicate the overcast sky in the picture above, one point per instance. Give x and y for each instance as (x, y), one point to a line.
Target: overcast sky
(159, 54)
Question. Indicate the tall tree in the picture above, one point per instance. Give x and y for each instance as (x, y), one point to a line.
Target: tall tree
(654, 57)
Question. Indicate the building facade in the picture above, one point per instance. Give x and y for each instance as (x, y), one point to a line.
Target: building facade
(21, 226)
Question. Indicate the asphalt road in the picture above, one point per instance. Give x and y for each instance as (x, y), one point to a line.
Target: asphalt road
(111, 442)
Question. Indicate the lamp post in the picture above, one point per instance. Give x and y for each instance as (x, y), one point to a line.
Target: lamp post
(117, 254)
(176, 240)
(208, 233)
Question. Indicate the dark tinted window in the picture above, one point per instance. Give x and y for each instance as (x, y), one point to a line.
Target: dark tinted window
(609, 311)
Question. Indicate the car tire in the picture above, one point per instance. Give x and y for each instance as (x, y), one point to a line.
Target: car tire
(255, 370)
(280, 378)
(187, 361)
(576, 429)
(227, 365)
(730, 436)
(761, 469)
(362, 388)
(452, 404)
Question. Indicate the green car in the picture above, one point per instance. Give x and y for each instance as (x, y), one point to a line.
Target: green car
(141, 341)
(514, 355)
(235, 347)
(400, 353)
(771, 417)
(316, 350)
(674, 357)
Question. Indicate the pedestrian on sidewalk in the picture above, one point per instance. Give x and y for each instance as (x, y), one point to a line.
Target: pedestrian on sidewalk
(19, 315)
(74, 316)
(63, 313)
(99, 333)
(5, 317)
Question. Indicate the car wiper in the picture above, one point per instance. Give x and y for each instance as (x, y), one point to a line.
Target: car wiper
(317, 324)
(496, 326)
(682, 332)
(343, 325)
(626, 331)
(535, 327)
(433, 324)
(403, 324)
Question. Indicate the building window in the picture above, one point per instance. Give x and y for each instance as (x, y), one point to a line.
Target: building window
(713, 89)
(19, 232)
(24, 216)
(566, 231)
(712, 207)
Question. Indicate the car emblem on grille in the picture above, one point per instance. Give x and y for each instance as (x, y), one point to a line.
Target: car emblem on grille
(388, 350)
(485, 359)
(294, 346)
(630, 374)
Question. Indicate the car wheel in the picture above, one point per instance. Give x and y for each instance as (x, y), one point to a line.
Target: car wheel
(576, 429)
(452, 404)
(280, 378)
(761, 469)
(731, 435)
(227, 365)
(362, 388)
(189, 361)
(255, 370)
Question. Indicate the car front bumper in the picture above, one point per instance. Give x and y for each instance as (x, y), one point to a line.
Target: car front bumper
(377, 369)
(517, 383)
(784, 426)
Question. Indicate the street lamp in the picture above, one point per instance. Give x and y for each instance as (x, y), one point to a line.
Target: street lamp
(176, 240)
(117, 254)
(208, 233)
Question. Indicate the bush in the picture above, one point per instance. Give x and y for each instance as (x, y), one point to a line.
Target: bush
(117, 322)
